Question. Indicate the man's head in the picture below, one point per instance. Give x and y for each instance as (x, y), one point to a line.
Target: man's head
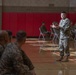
(9, 34)
(63, 15)
(55, 23)
(43, 23)
(3, 37)
(21, 36)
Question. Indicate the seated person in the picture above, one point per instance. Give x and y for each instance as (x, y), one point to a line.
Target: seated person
(3, 41)
(5, 38)
(55, 27)
(55, 30)
(73, 31)
(44, 30)
(14, 61)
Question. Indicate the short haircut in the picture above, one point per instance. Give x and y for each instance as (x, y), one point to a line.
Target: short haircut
(9, 32)
(3, 35)
(20, 35)
(63, 12)
(43, 22)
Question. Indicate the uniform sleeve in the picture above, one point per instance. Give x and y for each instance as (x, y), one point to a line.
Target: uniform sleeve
(27, 61)
(12, 59)
(1, 50)
(67, 25)
(19, 65)
(60, 23)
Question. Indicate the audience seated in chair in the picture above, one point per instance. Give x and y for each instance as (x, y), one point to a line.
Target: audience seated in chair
(55, 32)
(4, 39)
(43, 32)
(73, 31)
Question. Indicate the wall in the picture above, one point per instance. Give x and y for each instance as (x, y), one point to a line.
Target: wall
(0, 14)
(58, 3)
(72, 3)
(28, 14)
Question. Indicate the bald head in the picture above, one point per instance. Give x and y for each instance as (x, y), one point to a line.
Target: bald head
(3, 37)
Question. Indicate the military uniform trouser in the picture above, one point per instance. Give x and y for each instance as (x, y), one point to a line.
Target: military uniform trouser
(64, 46)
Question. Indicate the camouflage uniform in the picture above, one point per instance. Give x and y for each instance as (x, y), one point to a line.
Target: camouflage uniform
(64, 36)
(1, 50)
(15, 62)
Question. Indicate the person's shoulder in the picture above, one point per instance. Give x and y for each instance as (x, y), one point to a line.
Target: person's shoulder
(67, 19)
(10, 46)
(1, 48)
(61, 20)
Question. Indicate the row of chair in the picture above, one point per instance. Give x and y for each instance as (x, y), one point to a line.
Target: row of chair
(53, 34)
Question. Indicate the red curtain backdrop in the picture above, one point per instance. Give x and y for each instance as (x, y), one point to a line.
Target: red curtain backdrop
(30, 22)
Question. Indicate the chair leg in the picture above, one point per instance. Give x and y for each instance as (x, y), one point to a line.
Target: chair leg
(43, 37)
(39, 36)
(53, 40)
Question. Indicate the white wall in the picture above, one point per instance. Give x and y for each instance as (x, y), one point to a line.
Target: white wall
(61, 3)
(0, 2)
(0, 14)
(72, 3)
(57, 3)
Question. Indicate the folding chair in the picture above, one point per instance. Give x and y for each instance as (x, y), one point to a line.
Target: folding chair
(45, 35)
(41, 35)
(55, 35)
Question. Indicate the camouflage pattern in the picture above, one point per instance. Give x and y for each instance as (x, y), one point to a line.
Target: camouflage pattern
(64, 36)
(14, 61)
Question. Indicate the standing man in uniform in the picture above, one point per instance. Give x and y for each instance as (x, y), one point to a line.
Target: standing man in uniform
(64, 26)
